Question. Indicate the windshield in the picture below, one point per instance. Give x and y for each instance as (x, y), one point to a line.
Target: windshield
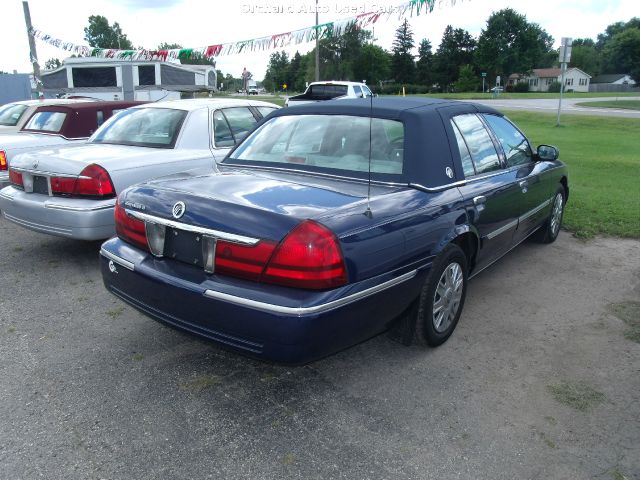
(10, 114)
(46, 121)
(326, 142)
(144, 127)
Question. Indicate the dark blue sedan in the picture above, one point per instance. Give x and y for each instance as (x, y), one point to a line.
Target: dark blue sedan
(332, 222)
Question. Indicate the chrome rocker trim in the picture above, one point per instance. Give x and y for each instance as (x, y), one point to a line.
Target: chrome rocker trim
(231, 237)
(300, 311)
(534, 211)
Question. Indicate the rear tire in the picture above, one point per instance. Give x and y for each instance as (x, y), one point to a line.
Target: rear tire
(442, 297)
(549, 231)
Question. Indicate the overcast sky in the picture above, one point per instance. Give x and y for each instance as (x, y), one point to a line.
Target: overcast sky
(198, 23)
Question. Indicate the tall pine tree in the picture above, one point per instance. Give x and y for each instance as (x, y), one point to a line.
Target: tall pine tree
(424, 67)
(402, 64)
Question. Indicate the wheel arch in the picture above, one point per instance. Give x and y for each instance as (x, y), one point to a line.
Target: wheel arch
(469, 242)
(565, 184)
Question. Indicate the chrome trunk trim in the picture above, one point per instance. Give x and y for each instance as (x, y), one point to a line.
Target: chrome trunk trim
(116, 259)
(230, 237)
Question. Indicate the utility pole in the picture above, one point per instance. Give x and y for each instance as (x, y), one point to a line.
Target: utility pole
(32, 47)
(565, 57)
(317, 46)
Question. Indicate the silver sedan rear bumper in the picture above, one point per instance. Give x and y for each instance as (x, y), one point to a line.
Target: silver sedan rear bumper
(82, 219)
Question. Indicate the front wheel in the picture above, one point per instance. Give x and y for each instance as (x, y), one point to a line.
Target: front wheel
(442, 297)
(551, 228)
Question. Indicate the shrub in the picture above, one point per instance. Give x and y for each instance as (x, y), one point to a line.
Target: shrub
(554, 87)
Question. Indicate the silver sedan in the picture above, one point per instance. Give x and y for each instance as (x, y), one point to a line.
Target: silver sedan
(71, 192)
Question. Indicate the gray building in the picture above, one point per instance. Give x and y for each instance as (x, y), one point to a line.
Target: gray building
(14, 87)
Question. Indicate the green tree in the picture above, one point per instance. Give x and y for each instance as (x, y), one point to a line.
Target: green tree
(277, 71)
(424, 65)
(510, 44)
(585, 56)
(613, 29)
(52, 64)
(372, 65)
(338, 54)
(456, 49)
(102, 35)
(404, 68)
(467, 80)
(623, 53)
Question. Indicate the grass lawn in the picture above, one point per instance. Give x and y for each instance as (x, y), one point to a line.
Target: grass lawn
(506, 95)
(626, 104)
(604, 169)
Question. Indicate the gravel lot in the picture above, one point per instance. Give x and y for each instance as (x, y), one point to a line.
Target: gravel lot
(540, 380)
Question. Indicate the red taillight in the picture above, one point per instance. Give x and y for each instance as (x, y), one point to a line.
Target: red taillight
(241, 260)
(130, 229)
(16, 178)
(3, 160)
(308, 257)
(94, 181)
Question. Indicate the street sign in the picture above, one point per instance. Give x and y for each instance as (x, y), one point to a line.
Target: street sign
(484, 74)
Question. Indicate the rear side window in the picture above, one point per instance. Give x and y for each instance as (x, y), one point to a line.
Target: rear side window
(483, 152)
(516, 147)
(222, 135)
(264, 111)
(46, 121)
(465, 156)
(240, 120)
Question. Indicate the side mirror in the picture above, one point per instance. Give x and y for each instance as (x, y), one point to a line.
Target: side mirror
(548, 153)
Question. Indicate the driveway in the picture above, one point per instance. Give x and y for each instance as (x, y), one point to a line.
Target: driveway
(91, 389)
(569, 105)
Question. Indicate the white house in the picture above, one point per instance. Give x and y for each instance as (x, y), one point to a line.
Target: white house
(541, 78)
(110, 79)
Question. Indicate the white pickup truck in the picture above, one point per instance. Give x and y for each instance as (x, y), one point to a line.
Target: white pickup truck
(320, 91)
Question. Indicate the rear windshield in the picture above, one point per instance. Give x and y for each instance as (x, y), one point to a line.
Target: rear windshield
(328, 90)
(326, 142)
(144, 127)
(10, 114)
(46, 121)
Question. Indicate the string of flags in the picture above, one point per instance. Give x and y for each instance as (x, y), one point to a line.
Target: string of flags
(324, 30)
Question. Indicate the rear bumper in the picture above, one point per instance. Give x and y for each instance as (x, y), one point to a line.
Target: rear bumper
(275, 323)
(64, 217)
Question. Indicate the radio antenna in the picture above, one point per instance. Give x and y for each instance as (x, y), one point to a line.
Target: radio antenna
(368, 212)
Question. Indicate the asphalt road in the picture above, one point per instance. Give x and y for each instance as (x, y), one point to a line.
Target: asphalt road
(91, 389)
(569, 105)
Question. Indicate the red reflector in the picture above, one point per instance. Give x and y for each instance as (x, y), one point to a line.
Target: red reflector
(308, 257)
(244, 261)
(16, 178)
(94, 181)
(130, 229)
(3, 160)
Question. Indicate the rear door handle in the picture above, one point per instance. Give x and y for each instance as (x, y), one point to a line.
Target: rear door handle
(480, 200)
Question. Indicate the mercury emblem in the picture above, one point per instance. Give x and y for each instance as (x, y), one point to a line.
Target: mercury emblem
(449, 172)
(178, 209)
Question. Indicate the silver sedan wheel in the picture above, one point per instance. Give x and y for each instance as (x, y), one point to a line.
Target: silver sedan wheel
(556, 214)
(446, 299)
